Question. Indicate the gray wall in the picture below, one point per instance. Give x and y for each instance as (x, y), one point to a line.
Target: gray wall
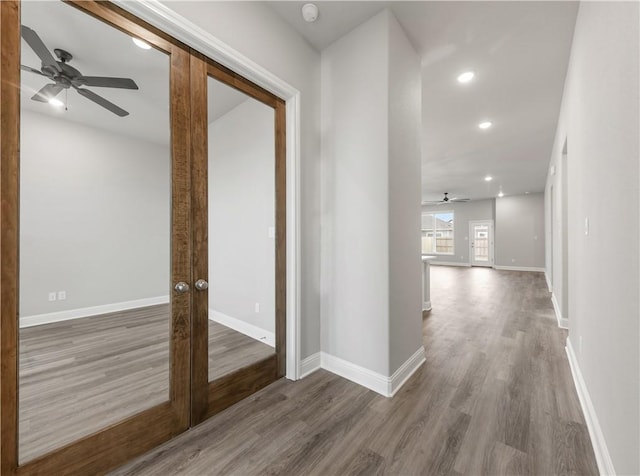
(355, 223)
(241, 211)
(519, 231)
(371, 186)
(600, 120)
(94, 216)
(405, 265)
(464, 213)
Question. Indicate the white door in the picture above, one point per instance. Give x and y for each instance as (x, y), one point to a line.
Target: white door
(481, 243)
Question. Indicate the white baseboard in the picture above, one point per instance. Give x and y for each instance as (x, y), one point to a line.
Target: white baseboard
(243, 327)
(603, 458)
(520, 268)
(385, 386)
(48, 318)
(406, 370)
(449, 263)
(426, 305)
(365, 377)
(563, 322)
(310, 364)
(546, 277)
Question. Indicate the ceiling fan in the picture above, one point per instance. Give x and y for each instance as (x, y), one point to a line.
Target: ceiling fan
(65, 76)
(446, 199)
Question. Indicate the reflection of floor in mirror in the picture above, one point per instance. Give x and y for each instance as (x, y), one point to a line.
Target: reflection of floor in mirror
(78, 376)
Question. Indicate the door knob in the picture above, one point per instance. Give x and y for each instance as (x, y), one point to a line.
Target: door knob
(201, 285)
(181, 287)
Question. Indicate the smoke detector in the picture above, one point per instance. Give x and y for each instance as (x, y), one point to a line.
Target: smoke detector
(309, 12)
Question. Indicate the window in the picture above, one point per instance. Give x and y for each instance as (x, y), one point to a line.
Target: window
(437, 232)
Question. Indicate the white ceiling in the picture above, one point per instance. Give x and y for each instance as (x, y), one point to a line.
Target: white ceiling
(100, 50)
(519, 51)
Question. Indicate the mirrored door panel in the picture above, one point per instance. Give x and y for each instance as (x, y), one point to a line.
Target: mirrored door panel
(95, 227)
(241, 223)
(238, 184)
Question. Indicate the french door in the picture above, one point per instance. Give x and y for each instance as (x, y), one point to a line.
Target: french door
(142, 237)
(481, 243)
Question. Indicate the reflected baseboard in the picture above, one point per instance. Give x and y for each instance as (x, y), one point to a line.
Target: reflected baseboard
(243, 327)
(48, 318)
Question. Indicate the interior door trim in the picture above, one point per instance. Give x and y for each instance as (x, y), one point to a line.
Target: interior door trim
(134, 435)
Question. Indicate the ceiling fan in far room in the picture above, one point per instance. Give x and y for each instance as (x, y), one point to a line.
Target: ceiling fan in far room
(65, 76)
(446, 199)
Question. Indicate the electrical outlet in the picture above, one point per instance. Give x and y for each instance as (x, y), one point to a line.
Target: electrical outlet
(513, 260)
(257, 307)
(586, 226)
(62, 295)
(272, 232)
(52, 296)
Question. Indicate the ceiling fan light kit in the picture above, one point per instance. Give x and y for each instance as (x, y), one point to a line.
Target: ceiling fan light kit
(66, 77)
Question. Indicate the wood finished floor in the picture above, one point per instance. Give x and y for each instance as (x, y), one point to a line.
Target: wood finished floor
(79, 376)
(495, 397)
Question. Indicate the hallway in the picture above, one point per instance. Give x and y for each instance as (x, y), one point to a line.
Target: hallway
(495, 396)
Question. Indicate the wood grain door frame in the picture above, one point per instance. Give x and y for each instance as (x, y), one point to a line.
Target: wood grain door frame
(209, 398)
(117, 443)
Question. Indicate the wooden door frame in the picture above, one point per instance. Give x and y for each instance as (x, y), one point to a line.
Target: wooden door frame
(209, 398)
(135, 435)
(489, 263)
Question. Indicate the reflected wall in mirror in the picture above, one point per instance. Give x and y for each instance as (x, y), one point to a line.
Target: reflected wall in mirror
(241, 204)
(95, 217)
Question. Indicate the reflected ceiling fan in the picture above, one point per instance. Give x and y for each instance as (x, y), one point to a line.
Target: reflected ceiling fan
(446, 199)
(65, 76)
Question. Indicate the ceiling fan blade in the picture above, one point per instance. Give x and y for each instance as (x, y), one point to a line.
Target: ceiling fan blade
(39, 48)
(102, 102)
(105, 82)
(31, 70)
(47, 92)
(459, 199)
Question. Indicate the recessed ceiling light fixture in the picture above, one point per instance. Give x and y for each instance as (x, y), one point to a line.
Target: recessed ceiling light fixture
(309, 12)
(488, 178)
(56, 102)
(141, 44)
(485, 125)
(466, 77)
(501, 194)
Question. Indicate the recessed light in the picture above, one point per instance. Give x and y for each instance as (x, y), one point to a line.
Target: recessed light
(501, 195)
(488, 178)
(466, 77)
(141, 44)
(485, 125)
(527, 193)
(56, 102)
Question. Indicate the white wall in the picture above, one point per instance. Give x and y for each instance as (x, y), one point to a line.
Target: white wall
(405, 265)
(241, 211)
(371, 313)
(464, 212)
(94, 216)
(600, 120)
(519, 231)
(260, 34)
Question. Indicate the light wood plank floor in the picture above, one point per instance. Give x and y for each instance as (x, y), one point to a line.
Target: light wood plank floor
(79, 376)
(495, 397)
